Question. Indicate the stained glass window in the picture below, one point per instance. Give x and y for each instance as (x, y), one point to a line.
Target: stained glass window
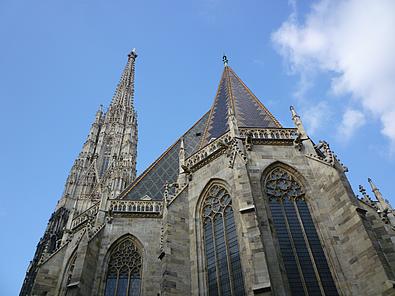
(301, 250)
(224, 274)
(124, 270)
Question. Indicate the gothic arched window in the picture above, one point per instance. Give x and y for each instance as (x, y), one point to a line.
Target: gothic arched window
(300, 247)
(124, 270)
(224, 274)
(106, 156)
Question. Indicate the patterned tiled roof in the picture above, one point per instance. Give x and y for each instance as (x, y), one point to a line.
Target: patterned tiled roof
(249, 111)
(165, 168)
(232, 93)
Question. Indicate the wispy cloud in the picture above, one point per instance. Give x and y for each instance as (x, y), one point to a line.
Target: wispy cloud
(315, 116)
(352, 120)
(354, 42)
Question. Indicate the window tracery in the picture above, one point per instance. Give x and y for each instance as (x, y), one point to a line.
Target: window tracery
(304, 260)
(71, 269)
(224, 273)
(124, 270)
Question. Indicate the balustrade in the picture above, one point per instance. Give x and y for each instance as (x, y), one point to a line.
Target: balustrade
(84, 216)
(136, 206)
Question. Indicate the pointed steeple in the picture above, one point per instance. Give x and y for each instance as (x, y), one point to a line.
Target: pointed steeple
(117, 144)
(234, 97)
(124, 94)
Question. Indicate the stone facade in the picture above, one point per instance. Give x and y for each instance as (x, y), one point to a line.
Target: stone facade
(234, 147)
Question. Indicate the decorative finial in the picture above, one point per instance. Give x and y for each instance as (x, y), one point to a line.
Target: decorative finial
(225, 60)
(133, 53)
(293, 111)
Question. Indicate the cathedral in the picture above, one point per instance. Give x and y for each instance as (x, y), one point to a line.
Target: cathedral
(238, 205)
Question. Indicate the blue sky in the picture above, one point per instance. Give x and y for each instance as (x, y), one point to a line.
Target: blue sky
(61, 59)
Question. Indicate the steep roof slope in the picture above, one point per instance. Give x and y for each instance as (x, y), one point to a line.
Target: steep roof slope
(165, 168)
(232, 94)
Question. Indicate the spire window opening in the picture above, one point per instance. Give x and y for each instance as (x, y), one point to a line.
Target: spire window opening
(224, 274)
(124, 270)
(304, 260)
(106, 157)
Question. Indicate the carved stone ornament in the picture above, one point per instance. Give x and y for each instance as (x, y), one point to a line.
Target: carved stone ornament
(216, 202)
(280, 185)
(326, 155)
(235, 148)
(125, 257)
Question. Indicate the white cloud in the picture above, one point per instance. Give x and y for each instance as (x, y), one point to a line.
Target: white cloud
(354, 41)
(316, 115)
(352, 120)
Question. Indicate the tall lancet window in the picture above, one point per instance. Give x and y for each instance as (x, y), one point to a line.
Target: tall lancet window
(106, 156)
(224, 274)
(300, 247)
(124, 270)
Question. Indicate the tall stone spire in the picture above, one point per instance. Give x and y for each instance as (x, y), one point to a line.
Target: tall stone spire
(108, 155)
(103, 168)
(125, 90)
(117, 142)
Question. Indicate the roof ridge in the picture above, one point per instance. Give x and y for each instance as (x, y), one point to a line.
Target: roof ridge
(229, 86)
(203, 140)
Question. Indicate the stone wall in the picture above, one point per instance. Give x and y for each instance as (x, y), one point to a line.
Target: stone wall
(236, 180)
(175, 256)
(358, 246)
(146, 231)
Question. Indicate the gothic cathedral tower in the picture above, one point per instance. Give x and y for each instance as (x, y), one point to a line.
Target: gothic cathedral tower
(238, 205)
(106, 164)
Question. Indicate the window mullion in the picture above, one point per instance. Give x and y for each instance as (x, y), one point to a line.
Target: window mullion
(128, 286)
(309, 249)
(116, 283)
(215, 255)
(230, 273)
(293, 248)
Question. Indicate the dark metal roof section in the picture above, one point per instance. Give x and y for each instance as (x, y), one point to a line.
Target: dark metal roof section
(165, 168)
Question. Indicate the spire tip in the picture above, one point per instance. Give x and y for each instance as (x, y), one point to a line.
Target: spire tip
(133, 53)
(225, 60)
